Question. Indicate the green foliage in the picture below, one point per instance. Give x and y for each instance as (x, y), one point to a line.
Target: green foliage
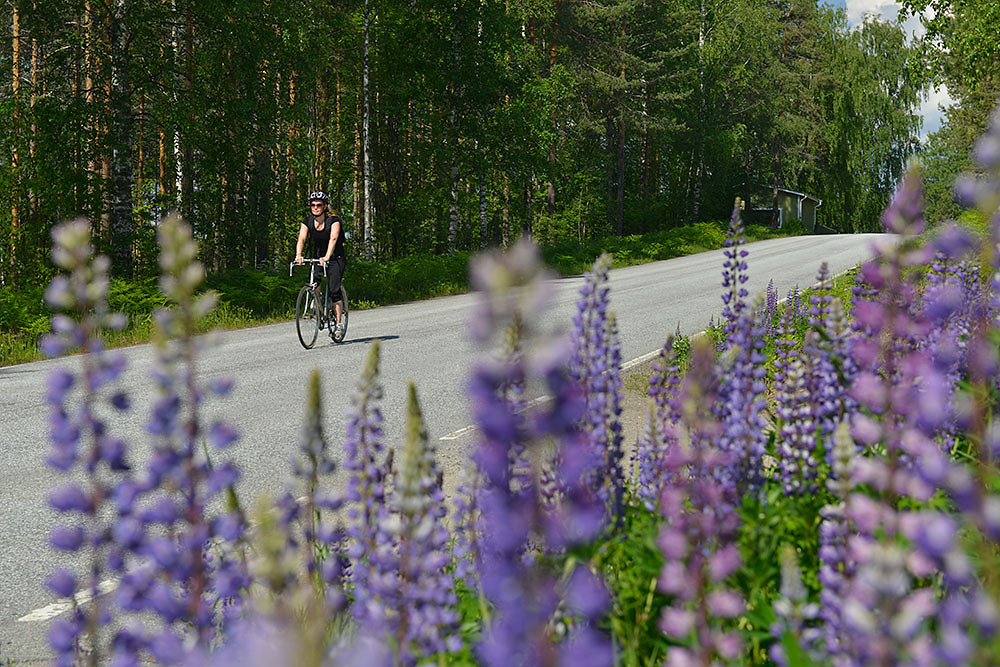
(569, 121)
(632, 562)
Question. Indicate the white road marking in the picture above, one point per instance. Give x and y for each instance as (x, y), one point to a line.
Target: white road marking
(632, 363)
(65, 604)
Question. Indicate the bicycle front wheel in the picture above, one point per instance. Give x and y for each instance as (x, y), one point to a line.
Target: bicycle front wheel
(306, 320)
(338, 336)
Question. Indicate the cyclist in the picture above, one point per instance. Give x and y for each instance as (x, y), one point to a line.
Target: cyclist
(325, 232)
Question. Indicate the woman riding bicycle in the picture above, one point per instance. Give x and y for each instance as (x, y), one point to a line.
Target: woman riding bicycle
(325, 232)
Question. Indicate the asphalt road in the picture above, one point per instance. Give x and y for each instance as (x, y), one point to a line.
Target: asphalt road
(425, 341)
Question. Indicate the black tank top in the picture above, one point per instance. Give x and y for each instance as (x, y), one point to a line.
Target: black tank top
(320, 238)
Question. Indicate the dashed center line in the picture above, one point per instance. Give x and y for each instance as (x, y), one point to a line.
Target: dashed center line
(628, 365)
(65, 604)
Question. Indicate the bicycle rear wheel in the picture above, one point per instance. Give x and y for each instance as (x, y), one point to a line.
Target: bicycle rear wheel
(306, 319)
(338, 336)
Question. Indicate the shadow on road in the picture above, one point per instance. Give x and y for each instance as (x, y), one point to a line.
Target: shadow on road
(352, 341)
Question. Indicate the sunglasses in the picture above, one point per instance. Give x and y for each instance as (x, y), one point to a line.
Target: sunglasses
(316, 205)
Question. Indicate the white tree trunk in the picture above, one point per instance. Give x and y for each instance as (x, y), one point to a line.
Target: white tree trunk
(366, 140)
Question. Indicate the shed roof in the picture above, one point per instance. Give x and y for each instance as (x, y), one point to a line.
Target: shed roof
(802, 195)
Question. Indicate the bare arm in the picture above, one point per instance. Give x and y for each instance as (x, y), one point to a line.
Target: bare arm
(303, 234)
(334, 235)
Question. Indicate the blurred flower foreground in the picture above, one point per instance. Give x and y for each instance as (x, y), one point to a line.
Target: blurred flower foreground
(816, 482)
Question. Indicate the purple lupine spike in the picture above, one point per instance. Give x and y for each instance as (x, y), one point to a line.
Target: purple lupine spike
(467, 519)
(830, 345)
(516, 528)
(595, 366)
(820, 299)
(734, 274)
(741, 410)
(770, 312)
(80, 439)
(701, 524)
(367, 508)
(425, 622)
(900, 390)
(905, 213)
(796, 615)
(835, 565)
(796, 442)
(319, 536)
(659, 433)
(793, 303)
(200, 570)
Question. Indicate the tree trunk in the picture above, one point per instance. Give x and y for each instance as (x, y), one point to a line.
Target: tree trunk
(609, 138)
(367, 142)
(505, 219)
(453, 207)
(646, 150)
(338, 199)
(35, 65)
(122, 222)
(187, 169)
(453, 140)
(140, 158)
(550, 188)
(164, 181)
(700, 137)
(291, 193)
(620, 199)
(15, 212)
(15, 157)
(357, 194)
(483, 222)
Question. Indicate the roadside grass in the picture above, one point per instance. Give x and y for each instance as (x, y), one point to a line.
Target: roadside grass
(250, 298)
(637, 382)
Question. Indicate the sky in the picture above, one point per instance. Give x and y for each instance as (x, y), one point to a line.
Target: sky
(887, 9)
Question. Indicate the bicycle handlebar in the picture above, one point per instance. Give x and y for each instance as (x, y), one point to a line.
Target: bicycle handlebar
(293, 264)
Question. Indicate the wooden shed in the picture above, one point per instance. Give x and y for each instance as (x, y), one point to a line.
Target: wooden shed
(791, 206)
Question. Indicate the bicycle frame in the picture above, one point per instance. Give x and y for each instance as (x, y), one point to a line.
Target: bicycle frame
(313, 263)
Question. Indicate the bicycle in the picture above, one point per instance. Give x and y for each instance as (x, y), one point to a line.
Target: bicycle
(321, 317)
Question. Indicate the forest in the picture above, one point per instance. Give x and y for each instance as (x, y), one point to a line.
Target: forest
(438, 127)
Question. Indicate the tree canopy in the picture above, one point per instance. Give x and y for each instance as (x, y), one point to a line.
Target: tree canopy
(562, 118)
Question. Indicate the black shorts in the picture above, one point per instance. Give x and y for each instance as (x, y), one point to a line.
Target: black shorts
(335, 277)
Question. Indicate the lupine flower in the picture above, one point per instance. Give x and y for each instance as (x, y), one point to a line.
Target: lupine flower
(698, 539)
(659, 434)
(770, 312)
(835, 564)
(316, 463)
(734, 275)
(293, 607)
(595, 367)
(828, 345)
(192, 579)
(900, 389)
(796, 441)
(425, 621)
(741, 408)
(367, 510)
(468, 529)
(80, 438)
(795, 613)
(522, 590)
